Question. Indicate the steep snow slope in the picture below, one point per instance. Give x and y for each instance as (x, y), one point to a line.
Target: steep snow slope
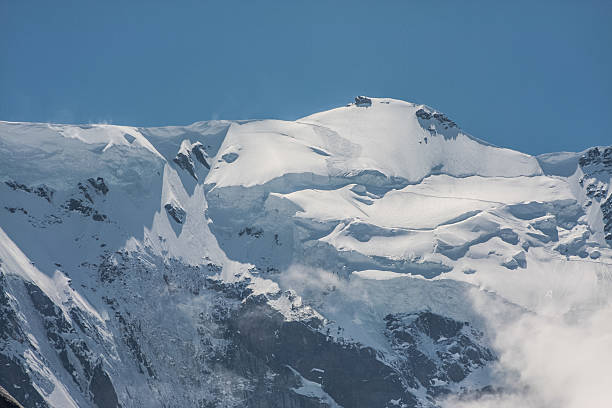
(401, 139)
(389, 140)
(339, 260)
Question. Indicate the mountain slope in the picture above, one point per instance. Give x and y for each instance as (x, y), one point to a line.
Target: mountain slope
(342, 259)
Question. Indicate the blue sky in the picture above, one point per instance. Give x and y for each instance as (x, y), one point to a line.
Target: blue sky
(530, 75)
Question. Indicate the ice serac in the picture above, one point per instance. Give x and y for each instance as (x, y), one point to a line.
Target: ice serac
(332, 261)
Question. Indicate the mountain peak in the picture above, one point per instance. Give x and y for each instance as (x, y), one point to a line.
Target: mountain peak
(342, 259)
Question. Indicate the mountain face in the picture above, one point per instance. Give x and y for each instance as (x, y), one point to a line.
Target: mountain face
(352, 258)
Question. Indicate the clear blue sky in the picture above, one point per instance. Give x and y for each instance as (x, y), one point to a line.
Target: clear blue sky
(530, 75)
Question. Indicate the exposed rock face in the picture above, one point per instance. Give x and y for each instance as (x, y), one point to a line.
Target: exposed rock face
(9, 320)
(200, 154)
(595, 157)
(596, 166)
(351, 374)
(184, 161)
(229, 157)
(98, 184)
(184, 158)
(435, 351)
(78, 205)
(15, 377)
(101, 387)
(363, 101)
(73, 351)
(444, 120)
(64, 339)
(423, 114)
(440, 118)
(7, 401)
(176, 212)
(606, 209)
(84, 202)
(41, 191)
(436, 123)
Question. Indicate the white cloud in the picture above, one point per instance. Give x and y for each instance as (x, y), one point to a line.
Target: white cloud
(560, 361)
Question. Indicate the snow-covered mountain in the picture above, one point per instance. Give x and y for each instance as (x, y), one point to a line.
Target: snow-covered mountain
(361, 257)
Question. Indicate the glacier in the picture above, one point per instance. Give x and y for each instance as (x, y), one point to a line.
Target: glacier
(373, 255)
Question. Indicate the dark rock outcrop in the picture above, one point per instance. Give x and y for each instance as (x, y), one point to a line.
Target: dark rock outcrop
(363, 101)
(17, 382)
(176, 212)
(99, 185)
(80, 206)
(594, 156)
(41, 191)
(435, 350)
(229, 157)
(351, 374)
(200, 154)
(423, 114)
(606, 210)
(184, 161)
(444, 120)
(7, 400)
(597, 168)
(104, 395)
(9, 322)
